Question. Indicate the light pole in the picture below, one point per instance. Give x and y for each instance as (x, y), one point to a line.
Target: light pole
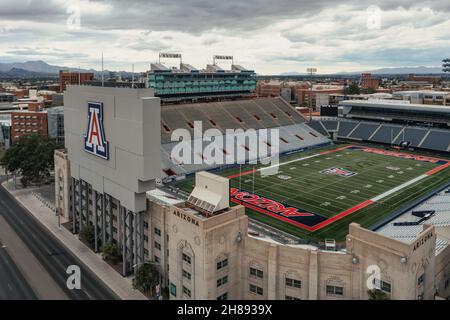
(311, 72)
(58, 215)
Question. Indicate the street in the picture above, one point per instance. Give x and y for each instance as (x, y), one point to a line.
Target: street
(13, 285)
(54, 257)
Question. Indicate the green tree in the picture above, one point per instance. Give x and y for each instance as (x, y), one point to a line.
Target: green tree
(111, 252)
(87, 234)
(146, 278)
(354, 88)
(376, 294)
(31, 157)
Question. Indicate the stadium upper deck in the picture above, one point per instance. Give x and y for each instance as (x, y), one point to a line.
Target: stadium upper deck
(190, 84)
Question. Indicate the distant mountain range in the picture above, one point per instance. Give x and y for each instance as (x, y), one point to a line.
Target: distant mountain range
(399, 70)
(402, 70)
(42, 69)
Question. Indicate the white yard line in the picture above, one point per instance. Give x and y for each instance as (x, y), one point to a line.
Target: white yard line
(404, 185)
(288, 162)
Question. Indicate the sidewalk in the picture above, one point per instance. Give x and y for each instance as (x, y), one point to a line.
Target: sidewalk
(121, 286)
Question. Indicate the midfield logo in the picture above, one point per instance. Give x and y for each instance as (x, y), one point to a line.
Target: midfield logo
(95, 140)
(339, 172)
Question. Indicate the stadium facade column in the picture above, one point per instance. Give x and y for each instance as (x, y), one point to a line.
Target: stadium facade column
(313, 276)
(272, 272)
(132, 239)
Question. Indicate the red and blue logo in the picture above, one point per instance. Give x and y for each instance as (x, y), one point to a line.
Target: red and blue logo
(95, 140)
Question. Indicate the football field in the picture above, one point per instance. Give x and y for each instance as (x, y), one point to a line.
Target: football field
(312, 191)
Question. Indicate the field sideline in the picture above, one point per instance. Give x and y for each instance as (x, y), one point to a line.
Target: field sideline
(316, 194)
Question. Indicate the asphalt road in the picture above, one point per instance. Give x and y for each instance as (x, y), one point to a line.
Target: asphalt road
(13, 285)
(50, 252)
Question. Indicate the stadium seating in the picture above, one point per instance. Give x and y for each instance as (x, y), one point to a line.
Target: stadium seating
(386, 133)
(346, 127)
(439, 203)
(292, 138)
(437, 140)
(319, 127)
(364, 131)
(244, 114)
(414, 135)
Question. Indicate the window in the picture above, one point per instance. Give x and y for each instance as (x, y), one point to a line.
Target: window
(157, 245)
(187, 292)
(146, 252)
(223, 296)
(157, 232)
(186, 258)
(256, 273)
(382, 285)
(222, 264)
(222, 281)
(145, 238)
(335, 291)
(291, 298)
(157, 259)
(256, 290)
(293, 283)
(186, 275)
(421, 280)
(145, 225)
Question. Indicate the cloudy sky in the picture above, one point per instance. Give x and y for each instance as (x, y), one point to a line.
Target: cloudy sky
(269, 36)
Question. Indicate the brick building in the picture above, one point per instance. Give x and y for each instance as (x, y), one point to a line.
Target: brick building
(32, 121)
(369, 82)
(66, 78)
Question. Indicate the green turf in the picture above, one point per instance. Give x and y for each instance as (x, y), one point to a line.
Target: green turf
(328, 195)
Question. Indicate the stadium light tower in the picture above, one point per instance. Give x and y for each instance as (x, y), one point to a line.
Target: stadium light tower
(170, 56)
(311, 72)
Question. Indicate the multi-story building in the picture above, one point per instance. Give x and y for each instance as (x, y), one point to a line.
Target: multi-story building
(7, 97)
(28, 122)
(203, 247)
(187, 83)
(55, 120)
(307, 96)
(424, 97)
(369, 82)
(66, 78)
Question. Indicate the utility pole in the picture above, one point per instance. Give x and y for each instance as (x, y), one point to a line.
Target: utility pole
(132, 76)
(311, 72)
(103, 78)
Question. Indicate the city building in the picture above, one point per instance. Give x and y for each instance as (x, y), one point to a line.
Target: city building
(5, 130)
(55, 123)
(203, 247)
(333, 99)
(369, 82)
(67, 78)
(424, 78)
(7, 97)
(307, 96)
(429, 97)
(28, 122)
(187, 83)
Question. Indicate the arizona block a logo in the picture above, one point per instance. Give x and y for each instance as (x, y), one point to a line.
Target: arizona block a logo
(95, 140)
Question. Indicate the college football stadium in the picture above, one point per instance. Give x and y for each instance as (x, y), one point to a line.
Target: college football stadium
(346, 193)
(316, 194)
